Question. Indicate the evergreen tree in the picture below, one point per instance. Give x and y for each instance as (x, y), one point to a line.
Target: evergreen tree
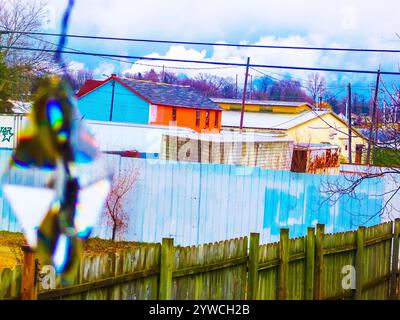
(5, 87)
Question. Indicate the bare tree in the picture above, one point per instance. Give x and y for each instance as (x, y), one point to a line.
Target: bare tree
(78, 78)
(288, 90)
(386, 163)
(316, 86)
(24, 16)
(263, 87)
(115, 211)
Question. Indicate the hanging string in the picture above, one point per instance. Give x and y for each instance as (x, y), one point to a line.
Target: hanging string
(63, 39)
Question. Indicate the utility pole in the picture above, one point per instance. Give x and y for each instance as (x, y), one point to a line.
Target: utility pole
(112, 97)
(244, 94)
(163, 74)
(251, 87)
(349, 120)
(374, 107)
(236, 91)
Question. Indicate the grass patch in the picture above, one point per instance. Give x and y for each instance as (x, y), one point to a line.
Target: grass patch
(11, 253)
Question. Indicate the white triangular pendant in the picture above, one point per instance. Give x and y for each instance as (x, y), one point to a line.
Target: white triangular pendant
(30, 205)
(61, 254)
(90, 204)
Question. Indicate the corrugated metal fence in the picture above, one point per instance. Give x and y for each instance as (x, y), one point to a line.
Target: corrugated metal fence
(198, 203)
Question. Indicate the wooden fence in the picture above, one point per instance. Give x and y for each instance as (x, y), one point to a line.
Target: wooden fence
(312, 267)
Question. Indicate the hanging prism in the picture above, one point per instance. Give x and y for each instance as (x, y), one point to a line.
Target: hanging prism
(58, 215)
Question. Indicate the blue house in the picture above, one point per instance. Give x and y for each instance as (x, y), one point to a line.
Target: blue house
(127, 100)
(112, 101)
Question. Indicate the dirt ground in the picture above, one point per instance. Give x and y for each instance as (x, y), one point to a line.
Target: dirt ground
(11, 253)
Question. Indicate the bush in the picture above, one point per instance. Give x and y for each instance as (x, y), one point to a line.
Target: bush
(386, 157)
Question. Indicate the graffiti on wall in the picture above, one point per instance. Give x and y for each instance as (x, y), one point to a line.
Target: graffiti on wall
(6, 134)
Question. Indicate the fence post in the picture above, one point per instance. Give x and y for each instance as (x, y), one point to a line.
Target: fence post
(359, 262)
(283, 273)
(319, 262)
(310, 260)
(30, 272)
(167, 260)
(395, 261)
(253, 266)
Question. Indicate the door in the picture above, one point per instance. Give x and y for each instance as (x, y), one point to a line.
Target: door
(299, 161)
(359, 151)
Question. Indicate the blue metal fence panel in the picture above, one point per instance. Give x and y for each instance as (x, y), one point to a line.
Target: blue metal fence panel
(198, 203)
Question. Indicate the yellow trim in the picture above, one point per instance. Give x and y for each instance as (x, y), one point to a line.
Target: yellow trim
(265, 108)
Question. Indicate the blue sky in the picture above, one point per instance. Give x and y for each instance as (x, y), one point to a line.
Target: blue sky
(352, 23)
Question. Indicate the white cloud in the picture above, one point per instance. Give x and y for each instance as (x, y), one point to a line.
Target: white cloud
(105, 69)
(218, 19)
(74, 66)
(343, 23)
(278, 57)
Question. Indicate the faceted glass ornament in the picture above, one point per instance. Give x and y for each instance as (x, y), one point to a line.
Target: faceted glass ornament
(57, 181)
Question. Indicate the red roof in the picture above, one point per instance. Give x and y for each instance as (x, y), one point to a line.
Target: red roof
(89, 85)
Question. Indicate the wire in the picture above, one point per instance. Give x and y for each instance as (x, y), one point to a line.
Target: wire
(203, 62)
(205, 43)
(136, 63)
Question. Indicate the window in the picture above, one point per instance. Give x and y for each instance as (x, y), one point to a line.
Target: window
(207, 119)
(197, 118)
(216, 119)
(173, 114)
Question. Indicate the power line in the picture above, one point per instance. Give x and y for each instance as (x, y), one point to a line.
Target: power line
(202, 43)
(202, 62)
(131, 63)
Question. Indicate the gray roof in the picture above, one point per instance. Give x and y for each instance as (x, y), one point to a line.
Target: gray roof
(263, 102)
(171, 95)
(271, 121)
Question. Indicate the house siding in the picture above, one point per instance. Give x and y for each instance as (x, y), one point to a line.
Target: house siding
(186, 117)
(317, 131)
(128, 107)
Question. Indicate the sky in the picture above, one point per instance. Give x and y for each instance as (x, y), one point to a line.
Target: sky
(348, 24)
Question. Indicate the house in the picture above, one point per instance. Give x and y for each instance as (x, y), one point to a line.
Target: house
(354, 118)
(303, 125)
(143, 102)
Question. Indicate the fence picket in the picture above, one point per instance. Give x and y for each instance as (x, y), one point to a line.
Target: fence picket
(283, 273)
(395, 261)
(319, 262)
(360, 263)
(310, 264)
